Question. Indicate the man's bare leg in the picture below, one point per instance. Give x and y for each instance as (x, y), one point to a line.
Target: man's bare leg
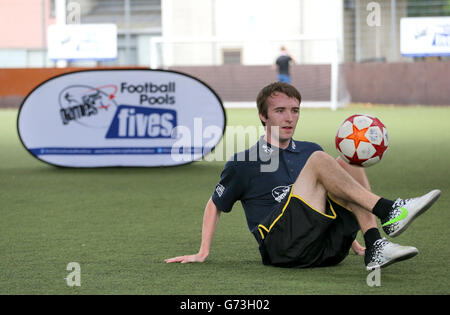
(322, 174)
(368, 220)
(365, 218)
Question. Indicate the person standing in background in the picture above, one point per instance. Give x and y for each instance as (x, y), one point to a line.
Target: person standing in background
(283, 65)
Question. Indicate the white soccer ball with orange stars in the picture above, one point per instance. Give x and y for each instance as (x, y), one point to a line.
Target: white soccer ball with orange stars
(362, 140)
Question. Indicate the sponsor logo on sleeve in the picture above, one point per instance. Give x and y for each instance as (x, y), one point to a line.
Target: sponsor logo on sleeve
(220, 189)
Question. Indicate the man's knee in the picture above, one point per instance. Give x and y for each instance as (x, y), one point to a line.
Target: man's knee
(320, 157)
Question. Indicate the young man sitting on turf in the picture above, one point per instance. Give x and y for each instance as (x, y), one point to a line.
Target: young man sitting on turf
(307, 211)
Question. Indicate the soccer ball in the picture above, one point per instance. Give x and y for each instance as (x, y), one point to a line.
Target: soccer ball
(362, 140)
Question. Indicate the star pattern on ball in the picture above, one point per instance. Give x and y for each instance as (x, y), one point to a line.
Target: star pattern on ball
(380, 149)
(358, 135)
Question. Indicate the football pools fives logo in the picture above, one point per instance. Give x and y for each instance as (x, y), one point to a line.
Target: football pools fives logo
(96, 107)
(117, 117)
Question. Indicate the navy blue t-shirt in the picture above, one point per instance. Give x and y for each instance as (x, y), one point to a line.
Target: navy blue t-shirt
(283, 64)
(261, 178)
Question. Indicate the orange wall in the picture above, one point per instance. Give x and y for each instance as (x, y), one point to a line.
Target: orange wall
(19, 82)
(15, 84)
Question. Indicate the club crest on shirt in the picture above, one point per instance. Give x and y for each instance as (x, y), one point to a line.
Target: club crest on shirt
(280, 192)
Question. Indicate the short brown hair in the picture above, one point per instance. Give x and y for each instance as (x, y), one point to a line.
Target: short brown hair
(267, 91)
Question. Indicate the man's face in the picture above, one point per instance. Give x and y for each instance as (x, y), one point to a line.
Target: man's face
(282, 112)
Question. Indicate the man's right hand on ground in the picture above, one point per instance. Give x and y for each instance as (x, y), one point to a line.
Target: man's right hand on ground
(186, 259)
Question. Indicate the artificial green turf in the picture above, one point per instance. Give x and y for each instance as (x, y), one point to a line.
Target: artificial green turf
(120, 224)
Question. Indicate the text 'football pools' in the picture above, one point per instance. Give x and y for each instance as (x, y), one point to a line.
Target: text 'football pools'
(141, 122)
(150, 93)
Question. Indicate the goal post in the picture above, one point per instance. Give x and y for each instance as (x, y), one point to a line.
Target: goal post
(318, 72)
